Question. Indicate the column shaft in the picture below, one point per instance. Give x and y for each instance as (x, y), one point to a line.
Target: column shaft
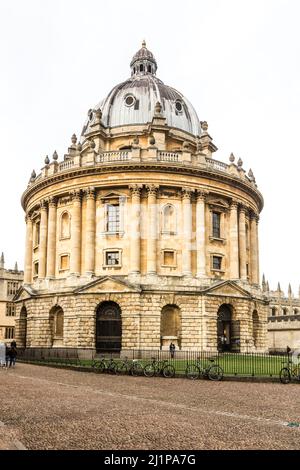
(242, 244)
(28, 252)
(51, 241)
(135, 236)
(234, 248)
(152, 230)
(75, 261)
(200, 235)
(43, 241)
(253, 249)
(90, 232)
(187, 233)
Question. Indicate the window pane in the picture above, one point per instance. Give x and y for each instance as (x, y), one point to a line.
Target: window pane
(112, 258)
(216, 224)
(113, 218)
(217, 262)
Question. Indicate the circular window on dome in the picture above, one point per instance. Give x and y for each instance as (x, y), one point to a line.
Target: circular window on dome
(129, 100)
(178, 106)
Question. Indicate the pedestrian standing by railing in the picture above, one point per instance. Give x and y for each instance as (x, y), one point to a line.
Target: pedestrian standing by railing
(172, 350)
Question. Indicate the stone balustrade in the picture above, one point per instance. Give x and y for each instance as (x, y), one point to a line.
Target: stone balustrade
(137, 155)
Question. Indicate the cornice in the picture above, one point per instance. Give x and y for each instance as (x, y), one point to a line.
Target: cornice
(214, 175)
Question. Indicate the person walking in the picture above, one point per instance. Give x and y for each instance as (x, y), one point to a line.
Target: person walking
(12, 354)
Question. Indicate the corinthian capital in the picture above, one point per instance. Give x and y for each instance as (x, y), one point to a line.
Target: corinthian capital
(43, 204)
(152, 189)
(202, 195)
(76, 195)
(187, 193)
(135, 189)
(234, 204)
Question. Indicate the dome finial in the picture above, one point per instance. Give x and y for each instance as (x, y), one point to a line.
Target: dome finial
(144, 43)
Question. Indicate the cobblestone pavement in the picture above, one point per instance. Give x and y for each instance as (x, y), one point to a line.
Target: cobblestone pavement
(48, 408)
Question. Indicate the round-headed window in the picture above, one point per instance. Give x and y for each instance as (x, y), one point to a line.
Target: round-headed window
(178, 106)
(129, 100)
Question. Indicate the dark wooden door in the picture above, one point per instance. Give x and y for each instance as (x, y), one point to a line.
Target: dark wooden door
(108, 327)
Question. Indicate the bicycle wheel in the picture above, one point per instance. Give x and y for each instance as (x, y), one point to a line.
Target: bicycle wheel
(168, 371)
(121, 368)
(192, 372)
(137, 369)
(215, 373)
(112, 367)
(100, 366)
(149, 370)
(285, 375)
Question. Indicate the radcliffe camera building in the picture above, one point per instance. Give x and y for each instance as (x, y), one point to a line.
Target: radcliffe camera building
(139, 236)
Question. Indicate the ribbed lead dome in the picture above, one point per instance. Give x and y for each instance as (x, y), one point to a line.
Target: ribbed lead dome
(133, 102)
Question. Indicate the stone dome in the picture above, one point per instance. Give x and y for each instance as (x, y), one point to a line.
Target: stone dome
(133, 101)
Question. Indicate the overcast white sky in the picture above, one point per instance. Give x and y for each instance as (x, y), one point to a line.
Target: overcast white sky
(237, 61)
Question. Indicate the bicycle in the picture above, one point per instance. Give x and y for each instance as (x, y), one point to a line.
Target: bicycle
(159, 368)
(105, 365)
(133, 367)
(289, 372)
(196, 370)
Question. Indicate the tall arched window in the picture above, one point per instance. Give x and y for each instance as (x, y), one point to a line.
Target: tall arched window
(255, 327)
(56, 319)
(169, 219)
(65, 225)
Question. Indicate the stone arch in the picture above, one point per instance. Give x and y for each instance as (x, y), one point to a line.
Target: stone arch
(56, 319)
(108, 326)
(255, 327)
(169, 216)
(65, 225)
(23, 327)
(170, 326)
(228, 329)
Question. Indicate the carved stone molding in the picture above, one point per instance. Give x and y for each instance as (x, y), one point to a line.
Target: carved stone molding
(201, 195)
(90, 193)
(234, 204)
(43, 204)
(52, 201)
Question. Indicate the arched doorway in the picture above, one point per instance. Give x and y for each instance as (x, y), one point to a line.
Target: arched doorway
(108, 327)
(56, 318)
(224, 328)
(255, 327)
(23, 327)
(170, 326)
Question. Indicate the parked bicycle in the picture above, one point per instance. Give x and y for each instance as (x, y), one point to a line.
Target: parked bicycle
(105, 365)
(159, 368)
(133, 367)
(210, 371)
(289, 372)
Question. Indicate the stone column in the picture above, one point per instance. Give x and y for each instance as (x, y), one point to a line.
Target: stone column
(257, 250)
(75, 261)
(28, 251)
(233, 237)
(242, 243)
(51, 240)
(152, 229)
(253, 248)
(187, 232)
(200, 234)
(43, 240)
(90, 231)
(135, 235)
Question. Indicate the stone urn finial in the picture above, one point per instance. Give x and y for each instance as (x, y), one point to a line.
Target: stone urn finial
(74, 139)
(158, 108)
(240, 163)
(231, 158)
(47, 160)
(204, 126)
(33, 175)
(98, 114)
(79, 147)
(55, 156)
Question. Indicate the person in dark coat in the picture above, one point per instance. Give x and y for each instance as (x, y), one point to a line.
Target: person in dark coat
(172, 349)
(12, 354)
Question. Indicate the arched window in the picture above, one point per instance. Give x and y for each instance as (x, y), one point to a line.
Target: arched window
(273, 311)
(65, 225)
(296, 311)
(169, 219)
(56, 318)
(149, 68)
(170, 326)
(141, 68)
(284, 311)
(255, 327)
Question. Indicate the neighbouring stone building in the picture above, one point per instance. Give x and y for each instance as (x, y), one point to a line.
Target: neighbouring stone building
(10, 282)
(284, 318)
(139, 237)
